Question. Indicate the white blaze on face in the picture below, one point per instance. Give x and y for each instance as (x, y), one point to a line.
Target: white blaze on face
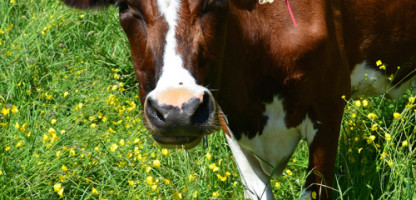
(173, 73)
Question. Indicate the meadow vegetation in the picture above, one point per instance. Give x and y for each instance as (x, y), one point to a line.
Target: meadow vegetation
(70, 124)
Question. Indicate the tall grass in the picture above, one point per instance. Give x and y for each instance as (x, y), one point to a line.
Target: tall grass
(70, 124)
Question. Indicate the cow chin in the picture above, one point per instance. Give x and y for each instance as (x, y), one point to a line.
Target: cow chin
(177, 142)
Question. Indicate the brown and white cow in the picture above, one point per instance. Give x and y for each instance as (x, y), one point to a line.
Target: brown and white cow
(243, 66)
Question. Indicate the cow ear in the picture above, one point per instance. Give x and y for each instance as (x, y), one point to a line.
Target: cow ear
(84, 4)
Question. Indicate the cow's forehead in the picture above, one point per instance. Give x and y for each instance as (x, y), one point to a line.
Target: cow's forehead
(168, 7)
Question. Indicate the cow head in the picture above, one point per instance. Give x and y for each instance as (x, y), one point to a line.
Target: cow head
(176, 47)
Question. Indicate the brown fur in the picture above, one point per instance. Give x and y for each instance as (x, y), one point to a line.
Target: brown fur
(249, 53)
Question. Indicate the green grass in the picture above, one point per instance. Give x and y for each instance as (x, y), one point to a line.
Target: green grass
(68, 98)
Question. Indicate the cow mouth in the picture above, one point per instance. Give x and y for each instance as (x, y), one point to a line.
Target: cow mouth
(187, 142)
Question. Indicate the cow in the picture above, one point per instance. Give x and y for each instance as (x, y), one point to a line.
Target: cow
(268, 73)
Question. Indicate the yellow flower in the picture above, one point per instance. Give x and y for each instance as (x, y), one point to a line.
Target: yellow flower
(374, 127)
(357, 103)
(195, 195)
(215, 194)
(62, 178)
(156, 163)
(191, 177)
(148, 169)
(213, 167)
(209, 156)
(383, 155)
(1, 172)
(113, 147)
(382, 67)
(79, 106)
(359, 150)
(387, 136)
(19, 144)
(150, 180)
(14, 109)
(132, 183)
(165, 152)
(53, 121)
(58, 153)
(17, 126)
(372, 116)
(371, 139)
(110, 130)
(397, 115)
(277, 184)
(223, 178)
(412, 99)
(365, 103)
(12, 1)
(23, 128)
(72, 152)
(132, 105)
(5, 111)
(93, 125)
(58, 189)
(378, 63)
(64, 168)
(177, 195)
(7, 148)
(288, 172)
(122, 142)
(51, 131)
(94, 191)
(66, 93)
(390, 163)
(404, 143)
(166, 181)
(313, 195)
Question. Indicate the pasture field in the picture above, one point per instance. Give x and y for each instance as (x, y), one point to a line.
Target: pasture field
(70, 124)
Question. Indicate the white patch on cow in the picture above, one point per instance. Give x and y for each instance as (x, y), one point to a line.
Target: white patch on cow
(173, 73)
(307, 130)
(256, 182)
(306, 195)
(371, 82)
(277, 142)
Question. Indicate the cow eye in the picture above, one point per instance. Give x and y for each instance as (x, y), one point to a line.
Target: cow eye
(121, 5)
(208, 6)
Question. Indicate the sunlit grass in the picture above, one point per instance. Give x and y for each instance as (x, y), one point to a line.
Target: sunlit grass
(70, 124)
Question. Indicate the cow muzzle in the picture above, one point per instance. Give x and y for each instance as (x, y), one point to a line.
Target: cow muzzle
(179, 117)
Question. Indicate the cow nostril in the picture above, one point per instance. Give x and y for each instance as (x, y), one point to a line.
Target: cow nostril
(202, 113)
(160, 116)
(153, 109)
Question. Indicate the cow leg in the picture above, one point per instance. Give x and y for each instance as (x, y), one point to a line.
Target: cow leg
(322, 156)
(255, 181)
